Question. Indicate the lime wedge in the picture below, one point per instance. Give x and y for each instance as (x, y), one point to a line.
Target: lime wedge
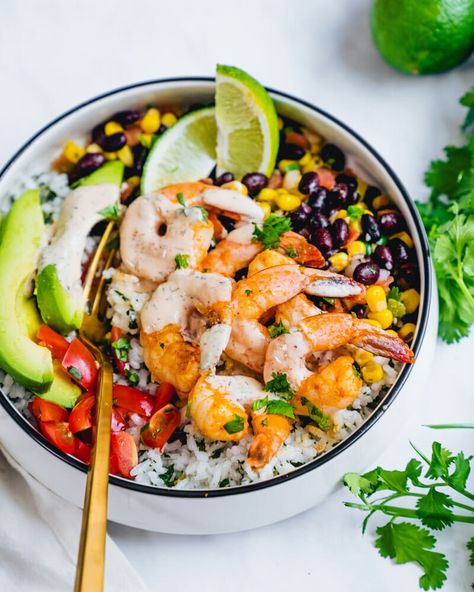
(185, 152)
(247, 124)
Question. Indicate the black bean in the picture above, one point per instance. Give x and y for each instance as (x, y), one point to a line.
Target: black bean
(291, 152)
(399, 250)
(371, 228)
(86, 165)
(366, 273)
(318, 199)
(338, 195)
(305, 232)
(98, 134)
(348, 180)
(114, 142)
(333, 156)
(227, 223)
(161, 129)
(318, 220)
(391, 222)
(371, 193)
(383, 256)
(126, 117)
(358, 310)
(309, 183)
(300, 217)
(410, 273)
(352, 196)
(340, 232)
(254, 182)
(139, 156)
(322, 238)
(224, 178)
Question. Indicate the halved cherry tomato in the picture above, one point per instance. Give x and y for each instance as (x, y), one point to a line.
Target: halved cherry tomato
(163, 396)
(47, 410)
(327, 178)
(116, 334)
(133, 399)
(55, 342)
(82, 451)
(125, 449)
(113, 464)
(59, 434)
(160, 427)
(81, 416)
(79, 363)
(118, 420)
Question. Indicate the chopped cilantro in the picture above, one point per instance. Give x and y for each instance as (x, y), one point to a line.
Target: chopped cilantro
(320, 419)
(180, 198)
(356, 369)
(270, 231)
(277, 407)
(291, 252)
(121, 347)
(277, 329)
(111, 213)
(182, 261)
(132, 377)
(224, 483)
(236, 424)
(355, 212)
(248, 292)
(279, 384)
(168, 476)
(394, 293)
(259, 404)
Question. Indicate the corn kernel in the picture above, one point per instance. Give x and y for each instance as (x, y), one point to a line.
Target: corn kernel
(280, 123)
(291, 179)
(361, 187)
(339, 261)
(310, 167)
(112, 127)
(151, 121)
(392, 332)
(281, 191)
(134, 181)
(411, 300)
(373, 322)
(72, 151)
(286, 165)
(110, 155)
(267, 194)
(146, 140)
(376, 298)
(356, 248)
(362, 357)
(384, 317)
(125, 155)
(236, 186)
(380, 202)
(405, 237)
(407, 331)
(287, 202)
(266, 208)
(355, 226)
(306, 159)
(169, 119)
(340, 214)
(94, 148)
(372, 372)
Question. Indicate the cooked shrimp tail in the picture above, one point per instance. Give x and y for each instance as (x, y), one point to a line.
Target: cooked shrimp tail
(270, 432)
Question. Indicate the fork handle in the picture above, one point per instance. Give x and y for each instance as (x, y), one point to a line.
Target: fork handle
(91, 558)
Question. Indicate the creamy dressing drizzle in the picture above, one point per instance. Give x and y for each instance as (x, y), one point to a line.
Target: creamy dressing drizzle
(240, 389)
(233, 201)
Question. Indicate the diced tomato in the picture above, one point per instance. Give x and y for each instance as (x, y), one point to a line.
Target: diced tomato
(161, 426)
(59, 434)
(125, 449)
(118, 420)
(113, 464)
(53, 341)
(163, 396)
(296, 138)
(116, 334)
(47, 410)
(133, 399)
(353, 236)
(80, 364)
(80, 418)
(82, 451)
(327, 178)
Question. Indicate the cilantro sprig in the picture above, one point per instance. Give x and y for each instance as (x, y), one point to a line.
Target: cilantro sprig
(436, 486)
(448, 217)
(270, 231)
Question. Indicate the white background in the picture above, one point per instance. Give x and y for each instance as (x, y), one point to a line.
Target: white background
(54, 54)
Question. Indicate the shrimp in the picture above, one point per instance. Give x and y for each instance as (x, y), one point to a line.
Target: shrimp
(336, 386)
(157, 227)
(220, 406)
(257, 294)
(190, 307)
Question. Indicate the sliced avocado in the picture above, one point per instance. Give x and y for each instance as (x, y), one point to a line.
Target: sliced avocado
(58, 285)
(26, 361)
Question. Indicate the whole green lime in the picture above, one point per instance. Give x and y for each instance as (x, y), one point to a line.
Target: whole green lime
(423, 36)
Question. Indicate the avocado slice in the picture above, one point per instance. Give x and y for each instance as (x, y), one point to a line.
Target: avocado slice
(58, 285)
(22, 230)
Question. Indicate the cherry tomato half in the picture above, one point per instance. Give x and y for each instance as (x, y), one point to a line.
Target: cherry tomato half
(55, 342)
(119, 419)
(82, 451)
(79, 363)
(163, 396)
(81, 416)
(125, 450)
(58, 433)
(133, 400)
(47, 410)
(161, 426)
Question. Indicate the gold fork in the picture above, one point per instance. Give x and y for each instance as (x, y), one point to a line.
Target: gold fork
(91, 557)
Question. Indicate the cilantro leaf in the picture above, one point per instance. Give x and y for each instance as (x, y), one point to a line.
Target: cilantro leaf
(355, 212)
(357, 484)
(433, 509)
(441, 458)
(405, 543)
(270, 231)
(394, 294)
(279, 384)
(168, 476)
(182, 261)
(277, 329)
(111, 213)
(320, 419)
(462, 468)
(132, 377)
(278, 407)
(259, 404)
(121, 347)
(413, 470)
(180, 198)
(235, 425)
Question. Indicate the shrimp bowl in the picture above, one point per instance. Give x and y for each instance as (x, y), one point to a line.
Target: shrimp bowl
(270, 325)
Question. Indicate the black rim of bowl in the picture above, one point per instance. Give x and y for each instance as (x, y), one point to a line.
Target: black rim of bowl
(339, 448)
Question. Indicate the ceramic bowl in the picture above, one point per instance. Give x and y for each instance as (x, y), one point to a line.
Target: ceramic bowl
(248, 506)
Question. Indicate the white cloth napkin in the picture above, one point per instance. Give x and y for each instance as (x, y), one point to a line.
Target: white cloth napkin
(39, 537)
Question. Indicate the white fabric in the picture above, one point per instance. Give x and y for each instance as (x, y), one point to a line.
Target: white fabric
(39, 535)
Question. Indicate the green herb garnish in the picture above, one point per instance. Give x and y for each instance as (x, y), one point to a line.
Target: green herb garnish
(270, 231)
(248, 292)
(180, 198)
(259, 404)
(320, 419)
(132, 377)
(394, 294)
(291, 252)
(182, 261)
(235, 425)
(278, 407)
(277, 329)
(355, 212)
(168, 476)
(111, 213)
(121, 347)
(279, 385)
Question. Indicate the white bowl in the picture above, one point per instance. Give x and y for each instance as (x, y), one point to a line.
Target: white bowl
(248, 506)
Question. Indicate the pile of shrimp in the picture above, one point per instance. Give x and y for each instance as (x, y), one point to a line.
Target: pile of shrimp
(207, 333)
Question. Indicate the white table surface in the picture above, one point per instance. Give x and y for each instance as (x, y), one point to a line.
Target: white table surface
(54, 54)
